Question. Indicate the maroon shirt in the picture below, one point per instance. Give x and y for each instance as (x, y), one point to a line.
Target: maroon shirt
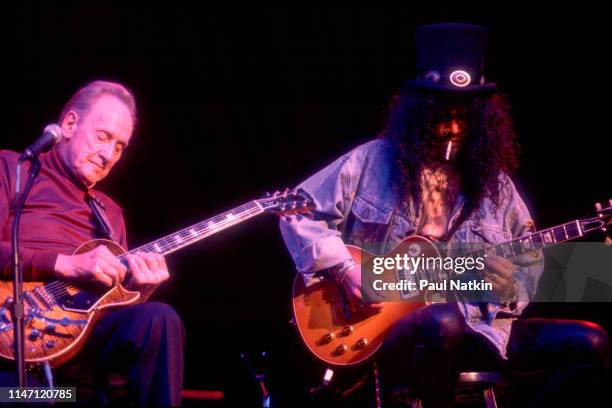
(56, 219)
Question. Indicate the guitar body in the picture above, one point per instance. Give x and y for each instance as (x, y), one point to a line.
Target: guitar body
(58, 315)
(342, 337)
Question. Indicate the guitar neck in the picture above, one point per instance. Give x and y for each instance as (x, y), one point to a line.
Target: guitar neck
(543, 238)
(201, 230)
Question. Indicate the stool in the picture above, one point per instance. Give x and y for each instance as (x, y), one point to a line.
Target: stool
(112, 390)
(482, 379)
(470, 385)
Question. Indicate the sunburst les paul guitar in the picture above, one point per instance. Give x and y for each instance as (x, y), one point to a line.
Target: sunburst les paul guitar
(338, 335)
(59, 314)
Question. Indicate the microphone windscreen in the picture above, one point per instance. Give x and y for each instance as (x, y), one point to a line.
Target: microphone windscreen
(54, 130)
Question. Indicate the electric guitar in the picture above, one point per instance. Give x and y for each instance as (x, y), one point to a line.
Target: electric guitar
(338, 335)
(60, 314)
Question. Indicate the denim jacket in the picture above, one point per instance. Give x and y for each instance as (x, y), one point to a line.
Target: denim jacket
(359, 201)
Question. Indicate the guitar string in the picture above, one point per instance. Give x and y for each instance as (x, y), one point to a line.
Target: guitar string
(57, 287)
(566, 231)
(202, 234)
(572, 232)
(56, 284)
(201, 225)
(254, 210)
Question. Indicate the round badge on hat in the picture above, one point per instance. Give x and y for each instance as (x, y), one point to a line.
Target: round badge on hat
(450, 57)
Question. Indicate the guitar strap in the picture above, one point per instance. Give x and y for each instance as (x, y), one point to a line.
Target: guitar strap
(98, 209)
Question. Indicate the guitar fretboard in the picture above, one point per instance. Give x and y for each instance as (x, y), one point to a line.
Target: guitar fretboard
(537, 240)
(199, 231)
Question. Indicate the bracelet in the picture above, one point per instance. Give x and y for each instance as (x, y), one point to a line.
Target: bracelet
(339, 271)
(512, 294)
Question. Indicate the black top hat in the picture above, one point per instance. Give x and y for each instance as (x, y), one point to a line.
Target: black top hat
(450, 57)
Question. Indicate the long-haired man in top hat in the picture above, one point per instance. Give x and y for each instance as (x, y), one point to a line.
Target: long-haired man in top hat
(441, 168)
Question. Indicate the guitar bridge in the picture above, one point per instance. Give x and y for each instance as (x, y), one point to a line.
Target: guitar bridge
(401, 277)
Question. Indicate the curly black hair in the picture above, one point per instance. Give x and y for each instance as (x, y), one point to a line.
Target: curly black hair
(490, 146)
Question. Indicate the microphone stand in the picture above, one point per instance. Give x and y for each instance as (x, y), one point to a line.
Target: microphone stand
(18, 306)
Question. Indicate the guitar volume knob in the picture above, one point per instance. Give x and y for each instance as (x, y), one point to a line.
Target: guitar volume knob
(34, 334)
(347, 330)
(362, 343)
(341, 349)
(328, 337)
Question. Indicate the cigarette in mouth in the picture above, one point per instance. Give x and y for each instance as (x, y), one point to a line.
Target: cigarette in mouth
(448, 150)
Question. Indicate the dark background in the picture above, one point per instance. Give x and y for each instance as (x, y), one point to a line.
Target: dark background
(238, 101)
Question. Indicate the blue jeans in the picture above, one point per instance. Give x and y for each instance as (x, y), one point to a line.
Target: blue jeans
(144, 342)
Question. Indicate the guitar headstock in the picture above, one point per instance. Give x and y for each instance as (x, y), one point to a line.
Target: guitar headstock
(605, 215)
(287, 202)
(604, 212)
(601, 222)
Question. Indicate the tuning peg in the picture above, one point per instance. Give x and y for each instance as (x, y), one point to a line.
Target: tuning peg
(598, 206)
(267, 195)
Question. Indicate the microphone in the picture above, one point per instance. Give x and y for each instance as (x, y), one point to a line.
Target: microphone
(51, 136)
